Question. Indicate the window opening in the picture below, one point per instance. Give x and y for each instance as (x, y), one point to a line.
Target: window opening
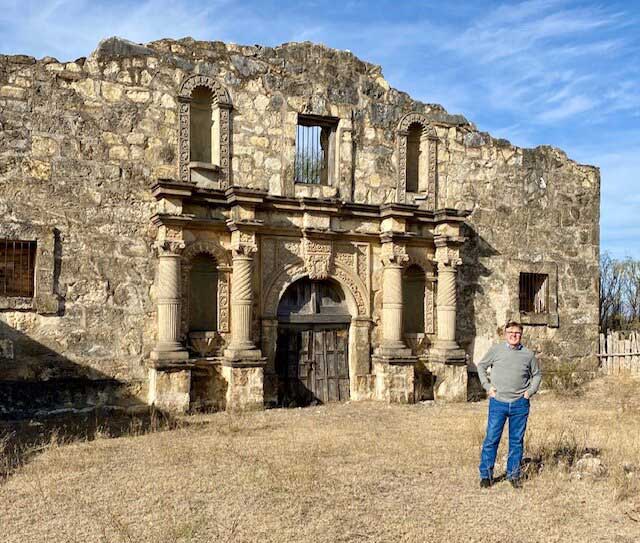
(203, 294)
(534, 293)
(413, 293)
(203, 126)
(315, 143)
(17, 268)
(413, 157)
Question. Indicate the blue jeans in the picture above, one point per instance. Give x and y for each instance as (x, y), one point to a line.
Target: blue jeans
(517, 412)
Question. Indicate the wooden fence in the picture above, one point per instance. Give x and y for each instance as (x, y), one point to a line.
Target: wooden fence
(620, 353)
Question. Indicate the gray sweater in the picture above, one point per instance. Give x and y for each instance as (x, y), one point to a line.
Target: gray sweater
(514, 371)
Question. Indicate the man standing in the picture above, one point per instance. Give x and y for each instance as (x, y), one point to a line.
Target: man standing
(515, 377)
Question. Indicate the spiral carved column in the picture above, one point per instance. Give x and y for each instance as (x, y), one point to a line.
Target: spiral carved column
(392, 306)
(241, 303)
(446, 306)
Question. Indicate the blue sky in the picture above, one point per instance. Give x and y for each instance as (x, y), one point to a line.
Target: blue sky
(563, 73)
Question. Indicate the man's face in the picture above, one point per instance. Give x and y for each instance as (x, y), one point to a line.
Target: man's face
(513, 336)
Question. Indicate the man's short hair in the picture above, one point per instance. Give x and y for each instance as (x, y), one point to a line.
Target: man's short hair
(513, 324)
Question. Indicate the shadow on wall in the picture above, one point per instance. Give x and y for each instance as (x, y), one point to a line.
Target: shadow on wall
(45, 397)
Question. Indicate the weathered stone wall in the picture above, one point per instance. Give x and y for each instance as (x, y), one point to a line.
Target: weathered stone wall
(81, 143)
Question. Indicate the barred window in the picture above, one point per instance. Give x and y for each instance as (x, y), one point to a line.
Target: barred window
(315, 149)
(534, 292)
(17, 268)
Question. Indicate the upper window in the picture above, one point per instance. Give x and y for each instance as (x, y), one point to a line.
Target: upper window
(413, 158)
(17, 268)
(315, 150)
(534, 293)
(205, 132)
(205, 121)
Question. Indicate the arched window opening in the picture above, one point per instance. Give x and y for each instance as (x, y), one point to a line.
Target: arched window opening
(203, 294)
(413, 157)
(413, 293)
(203, 129)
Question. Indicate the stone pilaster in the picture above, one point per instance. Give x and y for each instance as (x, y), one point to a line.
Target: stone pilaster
(169, 296)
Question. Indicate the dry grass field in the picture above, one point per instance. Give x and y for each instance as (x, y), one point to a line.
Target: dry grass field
(362, 472)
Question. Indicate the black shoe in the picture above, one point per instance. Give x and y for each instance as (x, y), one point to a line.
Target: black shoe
(516, 483)
(485, 483)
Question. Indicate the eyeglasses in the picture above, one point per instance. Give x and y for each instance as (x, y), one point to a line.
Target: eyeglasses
(514, 333)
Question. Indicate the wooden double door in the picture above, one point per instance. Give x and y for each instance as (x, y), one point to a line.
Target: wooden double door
(312, 363)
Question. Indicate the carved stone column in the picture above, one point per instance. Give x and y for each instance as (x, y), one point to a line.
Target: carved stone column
(243, 368)
(169, 369)
(393, 362)
(393, 258)
(169, 296)
(447, 361)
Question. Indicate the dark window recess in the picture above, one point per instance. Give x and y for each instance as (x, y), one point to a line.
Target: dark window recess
(17, 267)
(413, 291)
(200, 130)
(413, 157)
(203, 294)
(315, 143)
(534, 293)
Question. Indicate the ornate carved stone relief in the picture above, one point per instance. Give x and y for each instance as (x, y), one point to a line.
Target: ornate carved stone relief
(418, 258)
(287, 258)
(222, 100)
(429, 139)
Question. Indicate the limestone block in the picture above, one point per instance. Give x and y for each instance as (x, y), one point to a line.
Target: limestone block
(16, 93)
(85, 87)
(111, 91)
(43, 146)
(170, 389)
(450, 381)
(119, 152)
(139, 96)
(245, 387)
(395, 383)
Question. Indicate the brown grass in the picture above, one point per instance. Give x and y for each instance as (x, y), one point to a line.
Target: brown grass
(362, 472)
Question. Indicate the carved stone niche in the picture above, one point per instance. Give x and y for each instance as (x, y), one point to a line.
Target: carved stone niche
(209, 342)
(205, 104)
(417, 152)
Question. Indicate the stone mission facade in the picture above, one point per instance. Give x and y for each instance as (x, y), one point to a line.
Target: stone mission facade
(200, 225)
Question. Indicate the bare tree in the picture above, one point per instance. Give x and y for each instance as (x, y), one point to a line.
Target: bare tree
(611, 306)
(619, 293)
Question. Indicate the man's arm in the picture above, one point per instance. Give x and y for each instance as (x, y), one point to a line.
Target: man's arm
(536, 377)
(483, 365)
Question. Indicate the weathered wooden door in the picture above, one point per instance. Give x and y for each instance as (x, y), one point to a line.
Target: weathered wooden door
(313, 362)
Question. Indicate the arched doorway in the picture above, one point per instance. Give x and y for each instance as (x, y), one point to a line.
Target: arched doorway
(312, 362)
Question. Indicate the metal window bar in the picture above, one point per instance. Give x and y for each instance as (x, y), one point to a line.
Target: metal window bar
(310, 155)
(17, 268)
(534, 292)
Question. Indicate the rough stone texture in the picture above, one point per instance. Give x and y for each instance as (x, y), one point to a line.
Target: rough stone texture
(82, 143)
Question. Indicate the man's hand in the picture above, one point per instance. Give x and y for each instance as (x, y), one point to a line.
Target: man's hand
(492, 392)
(526, 395)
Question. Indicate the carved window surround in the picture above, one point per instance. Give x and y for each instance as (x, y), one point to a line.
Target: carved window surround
(428, 138)
(222, 101)
(221, 256)
(45, 299)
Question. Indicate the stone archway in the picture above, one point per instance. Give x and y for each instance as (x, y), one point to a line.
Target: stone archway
(312, 345)
(359, 341)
